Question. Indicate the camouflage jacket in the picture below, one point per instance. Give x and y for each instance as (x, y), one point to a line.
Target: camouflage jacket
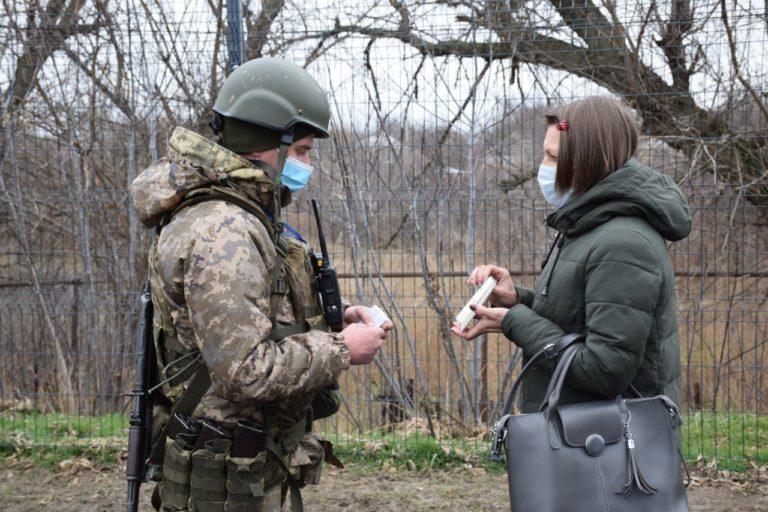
(212, 278)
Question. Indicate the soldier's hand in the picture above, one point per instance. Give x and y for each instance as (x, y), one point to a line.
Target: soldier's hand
(363, 342)
(362, 314)
(358, 314)
(505, 292)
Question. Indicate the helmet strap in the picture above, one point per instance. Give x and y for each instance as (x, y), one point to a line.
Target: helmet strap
(216, 125)
(286, 139)
(264, 166)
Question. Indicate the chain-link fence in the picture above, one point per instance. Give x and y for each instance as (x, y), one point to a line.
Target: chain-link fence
(438, 122)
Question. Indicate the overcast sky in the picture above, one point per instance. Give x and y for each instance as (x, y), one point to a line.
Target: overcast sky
(443, 84)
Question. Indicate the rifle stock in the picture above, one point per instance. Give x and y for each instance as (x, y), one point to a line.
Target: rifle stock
(140, 429)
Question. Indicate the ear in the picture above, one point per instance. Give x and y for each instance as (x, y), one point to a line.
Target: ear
(253, 155)
(258, 155)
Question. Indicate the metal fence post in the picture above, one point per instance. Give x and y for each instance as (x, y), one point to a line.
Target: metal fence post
(235, 43)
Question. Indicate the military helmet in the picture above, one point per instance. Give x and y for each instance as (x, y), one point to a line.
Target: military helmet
(265, 97)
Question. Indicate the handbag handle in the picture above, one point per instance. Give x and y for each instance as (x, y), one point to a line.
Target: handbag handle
(552, 402)
(556, 382)
(551, 351)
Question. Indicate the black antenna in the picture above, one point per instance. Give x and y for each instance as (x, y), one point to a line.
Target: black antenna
(323, 248)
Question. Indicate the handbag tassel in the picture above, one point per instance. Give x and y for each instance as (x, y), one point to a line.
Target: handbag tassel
(634, 476)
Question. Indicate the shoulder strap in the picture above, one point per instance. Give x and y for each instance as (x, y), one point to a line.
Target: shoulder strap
(229, 196)
(215, 193)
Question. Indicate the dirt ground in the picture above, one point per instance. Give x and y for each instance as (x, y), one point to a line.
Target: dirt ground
(78, 485)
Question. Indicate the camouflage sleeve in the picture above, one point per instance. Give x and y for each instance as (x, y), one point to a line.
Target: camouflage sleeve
(227, 289)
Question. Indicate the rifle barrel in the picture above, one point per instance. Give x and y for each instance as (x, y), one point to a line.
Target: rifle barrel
(140, 419)
(132, 498)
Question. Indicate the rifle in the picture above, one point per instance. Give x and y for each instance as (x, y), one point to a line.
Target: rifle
(326, 280)
(140, 429)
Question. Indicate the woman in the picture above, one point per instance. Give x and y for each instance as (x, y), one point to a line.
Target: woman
(608, 274)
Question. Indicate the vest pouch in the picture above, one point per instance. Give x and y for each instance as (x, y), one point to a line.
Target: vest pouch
(274, 473)
(306, 461)
(177, 468)
(245, 482)
(300, 278)
(207, 483)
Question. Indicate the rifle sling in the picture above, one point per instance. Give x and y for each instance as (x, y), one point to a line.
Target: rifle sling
(186, 404)
(297, 504)
(283, 331)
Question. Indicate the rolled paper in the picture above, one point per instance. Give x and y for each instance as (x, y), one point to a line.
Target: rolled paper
(481, 295)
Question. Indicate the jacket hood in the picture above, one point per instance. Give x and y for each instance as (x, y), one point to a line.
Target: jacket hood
(632, 191)
(193, 161)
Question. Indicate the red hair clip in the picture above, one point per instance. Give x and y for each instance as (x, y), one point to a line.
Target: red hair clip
(562, 126)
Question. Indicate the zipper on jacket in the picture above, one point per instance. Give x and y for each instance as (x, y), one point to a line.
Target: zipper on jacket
(559, 242)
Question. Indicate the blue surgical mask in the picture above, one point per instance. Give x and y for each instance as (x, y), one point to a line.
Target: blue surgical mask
(546, 179)
(295, 174)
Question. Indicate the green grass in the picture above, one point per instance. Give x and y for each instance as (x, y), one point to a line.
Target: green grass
(61, 428)
(735, 441)
(51, 456)
(732, 441)
(416, 452)
(50, 438)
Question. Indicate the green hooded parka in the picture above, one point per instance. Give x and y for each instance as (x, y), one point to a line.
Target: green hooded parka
(608, 276)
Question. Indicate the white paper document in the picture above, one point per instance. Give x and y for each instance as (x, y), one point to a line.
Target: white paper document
(481, 295)
(379, 316)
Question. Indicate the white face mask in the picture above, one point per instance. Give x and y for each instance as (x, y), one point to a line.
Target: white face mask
(546, 179)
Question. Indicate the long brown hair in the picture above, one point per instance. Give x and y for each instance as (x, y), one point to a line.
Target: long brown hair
(600, 138)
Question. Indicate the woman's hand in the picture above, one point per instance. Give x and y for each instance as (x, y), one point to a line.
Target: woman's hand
(505, 292)
(488, 320)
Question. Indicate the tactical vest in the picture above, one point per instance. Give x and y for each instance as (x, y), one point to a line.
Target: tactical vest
(217, 489)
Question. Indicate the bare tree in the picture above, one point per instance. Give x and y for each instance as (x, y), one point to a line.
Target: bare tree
(45, 31)
(587, 39)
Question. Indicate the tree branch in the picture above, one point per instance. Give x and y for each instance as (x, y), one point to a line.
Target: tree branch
(56, 24)
(259, 29)
(735, 62)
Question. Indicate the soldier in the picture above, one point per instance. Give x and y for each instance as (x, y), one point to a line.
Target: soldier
(245, 359)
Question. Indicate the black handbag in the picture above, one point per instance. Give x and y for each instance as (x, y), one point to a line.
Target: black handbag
(608, 455)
